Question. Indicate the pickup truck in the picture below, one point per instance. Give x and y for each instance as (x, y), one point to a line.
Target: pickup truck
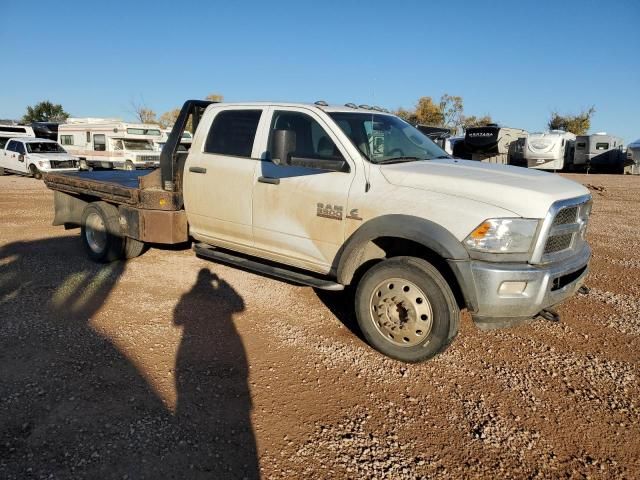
(33, 156)
(335, 197)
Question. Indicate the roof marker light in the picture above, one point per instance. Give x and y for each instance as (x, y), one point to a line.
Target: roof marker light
(321, 103)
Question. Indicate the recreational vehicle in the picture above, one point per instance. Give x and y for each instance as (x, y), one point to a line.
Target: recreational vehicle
(185, 141)
(551, 150)
(632, 165)
(35, 156)
(599, 151)
(492, 144)
(108, 143)
(47, 130)
(11, 131)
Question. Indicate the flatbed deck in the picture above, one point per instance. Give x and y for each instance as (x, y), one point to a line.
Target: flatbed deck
(137, 188)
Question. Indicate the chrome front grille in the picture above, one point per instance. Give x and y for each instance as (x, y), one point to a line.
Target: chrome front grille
(566, 216)
(148, 158)
(563, 230)
(557, 243)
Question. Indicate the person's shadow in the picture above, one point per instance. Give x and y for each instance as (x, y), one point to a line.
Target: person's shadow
(213, 397)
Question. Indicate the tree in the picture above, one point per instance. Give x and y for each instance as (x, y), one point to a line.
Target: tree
(448, 112)
(143, 112)
(167, 119)
(45, 111)
(578, 124)
(451, 109)
(214, 97)
(473, 121)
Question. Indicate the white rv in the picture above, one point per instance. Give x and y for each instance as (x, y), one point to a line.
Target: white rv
(599, 151)
(14, 131)
(551, 150)
(632, 165)
(110, 143)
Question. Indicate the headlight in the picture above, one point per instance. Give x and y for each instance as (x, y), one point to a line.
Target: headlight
(503, 235)
(43, 163)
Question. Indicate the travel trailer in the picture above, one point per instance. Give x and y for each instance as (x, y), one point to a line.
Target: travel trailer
(551, 150)
(492, 144)
(35, 156)
(632, 165)
(111, 143)
(599, 151)
(12, 131)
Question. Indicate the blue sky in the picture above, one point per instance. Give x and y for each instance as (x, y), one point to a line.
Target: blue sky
(517, 61)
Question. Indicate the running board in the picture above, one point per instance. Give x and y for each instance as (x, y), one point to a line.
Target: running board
(293, 276)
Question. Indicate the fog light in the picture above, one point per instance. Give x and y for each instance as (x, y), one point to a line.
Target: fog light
(512, 288)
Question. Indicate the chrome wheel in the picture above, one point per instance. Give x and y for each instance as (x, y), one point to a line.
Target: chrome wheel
(129, 166)
(401, 312)
(95, 232)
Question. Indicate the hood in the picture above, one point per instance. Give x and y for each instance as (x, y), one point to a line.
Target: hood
(525, 192)
(51, 156)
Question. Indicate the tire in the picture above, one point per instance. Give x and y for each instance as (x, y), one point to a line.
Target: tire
(129, 166)
(133, 248)
(406, 309)
(35, 173)
(100, 232)
(1, 171)
(83, 165)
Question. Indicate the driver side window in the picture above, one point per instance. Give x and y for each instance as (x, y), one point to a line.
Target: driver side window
(312, 141)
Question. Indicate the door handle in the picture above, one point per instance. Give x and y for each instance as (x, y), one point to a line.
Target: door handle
(272, 181)
(198, 169)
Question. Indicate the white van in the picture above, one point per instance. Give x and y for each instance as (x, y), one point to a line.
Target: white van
(35, 156)
(111, 143)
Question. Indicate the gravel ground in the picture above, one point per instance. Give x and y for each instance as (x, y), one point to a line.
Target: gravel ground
(169, 366)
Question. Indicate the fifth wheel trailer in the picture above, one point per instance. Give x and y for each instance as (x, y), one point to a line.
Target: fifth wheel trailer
(493, 144)
(599, 151)
(551, 150)
(632, 165)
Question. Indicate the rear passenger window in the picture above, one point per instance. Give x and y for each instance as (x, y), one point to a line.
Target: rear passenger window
(11, 146)
(233, 132)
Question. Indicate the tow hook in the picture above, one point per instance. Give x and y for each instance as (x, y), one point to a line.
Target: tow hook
(550, 315)
(583, 290)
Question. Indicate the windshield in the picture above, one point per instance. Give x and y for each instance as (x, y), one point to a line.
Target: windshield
(386, 139)
(137, 145)
(44, 147)
(143, 131)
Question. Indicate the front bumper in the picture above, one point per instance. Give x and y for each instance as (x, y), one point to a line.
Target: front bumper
(546, 285)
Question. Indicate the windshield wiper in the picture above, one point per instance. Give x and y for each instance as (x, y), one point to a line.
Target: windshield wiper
(398, 160)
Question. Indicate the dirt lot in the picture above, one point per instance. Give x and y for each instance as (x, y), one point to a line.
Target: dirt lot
(169, 366)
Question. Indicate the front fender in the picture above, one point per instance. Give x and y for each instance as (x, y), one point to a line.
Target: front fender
(354, 252)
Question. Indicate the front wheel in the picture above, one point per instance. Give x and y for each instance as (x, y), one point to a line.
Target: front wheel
(35, 173)
(406, 309)
(129, 166)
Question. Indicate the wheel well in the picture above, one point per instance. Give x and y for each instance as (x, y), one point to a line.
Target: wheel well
(389, 247)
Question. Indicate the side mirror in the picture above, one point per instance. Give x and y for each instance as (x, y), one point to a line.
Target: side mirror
(284, 144)
(21, 157)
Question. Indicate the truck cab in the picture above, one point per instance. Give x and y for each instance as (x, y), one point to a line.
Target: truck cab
(35, 156)
(342, 196)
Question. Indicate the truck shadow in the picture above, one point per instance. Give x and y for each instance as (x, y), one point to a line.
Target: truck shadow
(341, 304)
(73, 405)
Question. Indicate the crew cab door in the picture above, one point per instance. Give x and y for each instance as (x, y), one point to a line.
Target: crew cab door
(219, 173)
(14, 157)
(299, 213)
